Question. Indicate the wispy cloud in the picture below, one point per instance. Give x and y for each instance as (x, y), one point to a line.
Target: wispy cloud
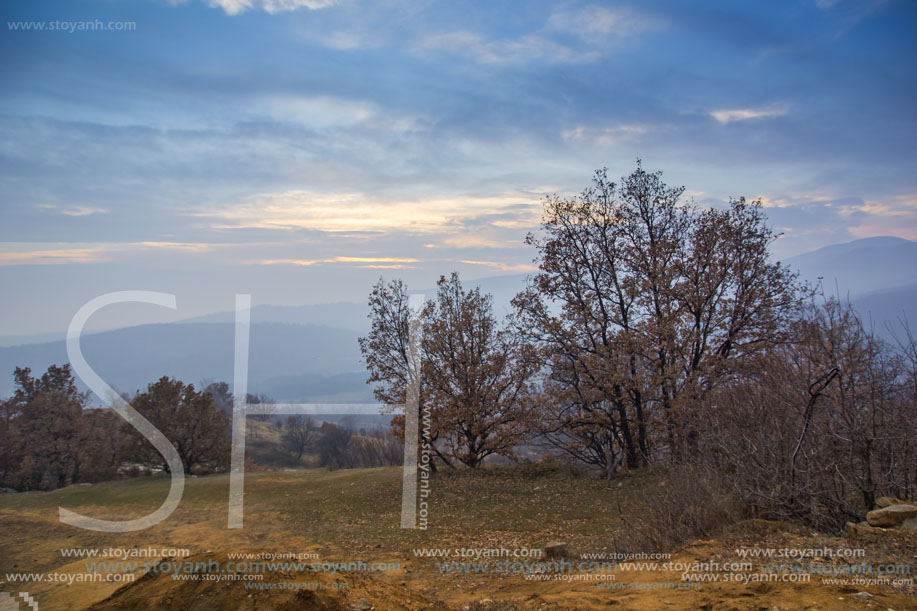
(901, 206)
(71, 210)
(373, 260)
(235, 7)
(38, 253)
(53, 256)
(504, 267)
(601, 25)
(732, 115)
(367, 262)
(795, 201)
(530, 48)
(318, 111)
(359, 212)
(604, 136)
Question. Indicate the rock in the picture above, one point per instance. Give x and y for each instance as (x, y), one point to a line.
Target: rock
(555, 549)
(865, 596)
(887, 501)
(909, 524)
(361, 605)
(850, 530)
(891, 516)
(869, 535)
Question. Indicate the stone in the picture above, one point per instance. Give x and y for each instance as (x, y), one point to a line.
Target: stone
(850, 530)
(887, 501)
(555, 550)
(863, 536)
(361, 605)
(891, 516)
(909, 524)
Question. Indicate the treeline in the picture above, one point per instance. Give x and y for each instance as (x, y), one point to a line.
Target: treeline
(658, 332)
(50, 437)
(335, 446)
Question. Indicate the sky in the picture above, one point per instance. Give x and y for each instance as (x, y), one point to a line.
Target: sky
(297, 150)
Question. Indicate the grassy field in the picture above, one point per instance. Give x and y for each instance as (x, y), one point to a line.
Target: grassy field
(354, 515)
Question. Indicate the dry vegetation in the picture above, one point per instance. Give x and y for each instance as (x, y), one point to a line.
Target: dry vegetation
(353, 515)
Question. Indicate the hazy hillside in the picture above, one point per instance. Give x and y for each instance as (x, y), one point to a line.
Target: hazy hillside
(353, 315)
(344, 315)
(310, 353)
(131, 358)
(878, 276)
(889, 306)
(861, 266)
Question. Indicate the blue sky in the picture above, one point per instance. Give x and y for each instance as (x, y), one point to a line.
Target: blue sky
(297, 149)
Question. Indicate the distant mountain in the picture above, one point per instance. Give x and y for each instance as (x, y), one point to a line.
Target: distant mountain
(129, 359)
(351, 316)
(310, 353)
(877, 276)
(887, 310)
(861, 266)
(37, 338)
(298, 353)
(350, 387)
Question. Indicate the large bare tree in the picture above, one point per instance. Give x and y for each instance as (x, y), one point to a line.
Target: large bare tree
(643, 304)
(188, 418)
(475, 374)
(393, 355)
(478, 374)
(820, 426)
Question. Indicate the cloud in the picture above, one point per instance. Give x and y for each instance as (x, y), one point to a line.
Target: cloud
(40, 253)
(358, 212)
(54, 256)
(526, 49)
(318, 111)
(504, 267)
(869, 230)
(71, 210)
(368, 262)
(601, 24)
(568, 35)
(747, 114)
(899, 206)
(604, 136)
(345, 41)
(373, 260)
(796, 201)
(475, 240)
(235, 7)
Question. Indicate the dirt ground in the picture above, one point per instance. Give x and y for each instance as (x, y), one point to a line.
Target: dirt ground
(349, 532)
(421, 586)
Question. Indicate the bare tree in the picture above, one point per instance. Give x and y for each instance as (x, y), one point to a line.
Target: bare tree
(188, 419)
(393, 361)
(822, 425)
(48, 437)
(643, 305)
(478, 374)
(298, 433)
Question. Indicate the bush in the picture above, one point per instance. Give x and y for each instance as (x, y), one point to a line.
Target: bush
(688, 503)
